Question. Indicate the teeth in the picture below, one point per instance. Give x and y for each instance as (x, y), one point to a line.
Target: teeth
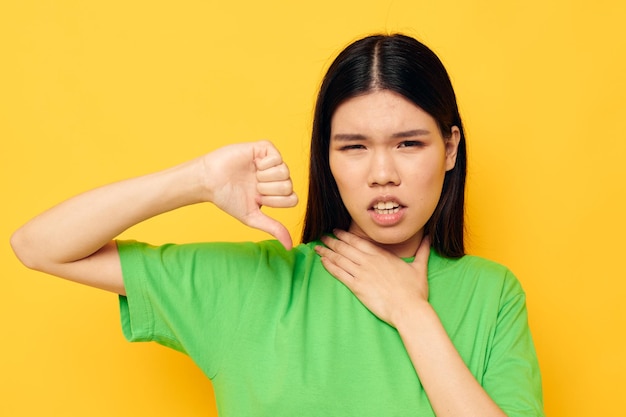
(381, 205)
(388, 207)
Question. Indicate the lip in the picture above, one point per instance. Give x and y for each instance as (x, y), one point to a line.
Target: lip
(385, 198)
(390, 219)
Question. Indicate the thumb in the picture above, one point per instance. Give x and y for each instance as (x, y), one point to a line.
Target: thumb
(261, 221)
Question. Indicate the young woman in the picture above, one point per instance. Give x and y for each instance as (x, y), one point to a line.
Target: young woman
(379, 312)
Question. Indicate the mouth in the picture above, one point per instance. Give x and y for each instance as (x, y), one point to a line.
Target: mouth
(386, 207)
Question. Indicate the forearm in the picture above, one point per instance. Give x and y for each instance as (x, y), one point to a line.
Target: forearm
(80, 226)
(450, 386)
(74, 239)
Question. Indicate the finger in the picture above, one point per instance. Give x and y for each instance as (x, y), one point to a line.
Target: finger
(336, 264)
(279, 188)
(356, 242)
(339, 273)
(340, 254)
(265, 223)
(344, 249)
(266, 156)
(273, 173)
(277, 201)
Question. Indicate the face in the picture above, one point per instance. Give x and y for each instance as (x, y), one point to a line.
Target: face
(389, 159)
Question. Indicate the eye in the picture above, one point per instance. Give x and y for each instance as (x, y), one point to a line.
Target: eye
(410, 144)
(353, 146)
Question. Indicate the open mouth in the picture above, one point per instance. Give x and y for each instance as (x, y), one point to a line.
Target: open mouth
(386, 207)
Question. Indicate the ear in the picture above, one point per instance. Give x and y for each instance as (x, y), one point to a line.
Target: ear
(452, 146)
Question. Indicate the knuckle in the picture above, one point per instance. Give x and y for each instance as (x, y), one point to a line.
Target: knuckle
(283, 170)
(265, 143)
(286, 188)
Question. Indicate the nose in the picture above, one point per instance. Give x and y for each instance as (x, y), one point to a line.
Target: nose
(383, 170)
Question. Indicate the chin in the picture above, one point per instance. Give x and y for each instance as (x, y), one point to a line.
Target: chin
(392, 240)
(387, 236)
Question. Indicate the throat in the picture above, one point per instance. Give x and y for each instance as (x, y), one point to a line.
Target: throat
(390, 240)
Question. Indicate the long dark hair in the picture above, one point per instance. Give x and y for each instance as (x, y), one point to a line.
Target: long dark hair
(405, 66)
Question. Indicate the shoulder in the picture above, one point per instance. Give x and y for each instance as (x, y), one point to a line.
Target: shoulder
(475, 272)
(270, 252)
(467, 264)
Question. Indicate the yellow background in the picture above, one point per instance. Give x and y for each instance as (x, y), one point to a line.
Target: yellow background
(92, 92)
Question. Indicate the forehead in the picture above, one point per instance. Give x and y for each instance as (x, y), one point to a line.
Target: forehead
(379, 112)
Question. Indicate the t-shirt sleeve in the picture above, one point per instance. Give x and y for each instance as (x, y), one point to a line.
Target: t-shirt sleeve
(512, 377)
(186, 297)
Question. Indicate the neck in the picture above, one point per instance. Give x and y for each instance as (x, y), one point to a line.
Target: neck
(402, 249)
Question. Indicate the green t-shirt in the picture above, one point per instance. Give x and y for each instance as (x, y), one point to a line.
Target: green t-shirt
(279, 336)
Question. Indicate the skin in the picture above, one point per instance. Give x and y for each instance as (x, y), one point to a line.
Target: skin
(384, 148)
(74, 240)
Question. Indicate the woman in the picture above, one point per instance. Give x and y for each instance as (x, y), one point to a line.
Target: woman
(363, 318)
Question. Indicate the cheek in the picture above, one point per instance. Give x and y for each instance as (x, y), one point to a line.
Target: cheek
(434, 176)
(429, 180)
(340, 173)
(335, 175)
(346, 184)
(345, 187)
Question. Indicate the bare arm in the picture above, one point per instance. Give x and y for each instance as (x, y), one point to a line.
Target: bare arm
(397, 292)
(451, 388)
(73, 240)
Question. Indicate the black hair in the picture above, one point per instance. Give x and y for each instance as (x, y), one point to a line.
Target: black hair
(407, 67)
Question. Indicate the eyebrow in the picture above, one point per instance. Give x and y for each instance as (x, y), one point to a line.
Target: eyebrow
(398, 135)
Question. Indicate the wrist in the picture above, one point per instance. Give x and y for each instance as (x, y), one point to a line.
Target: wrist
(201, 179)
(178, 186)
(417, 316)
(206, 171)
